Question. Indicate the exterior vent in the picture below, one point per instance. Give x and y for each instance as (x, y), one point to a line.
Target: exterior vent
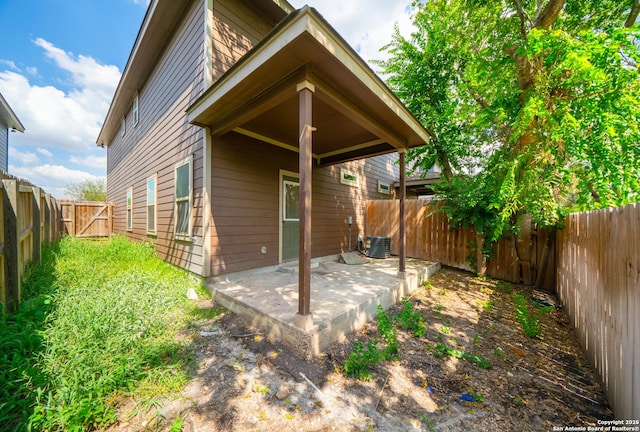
(378, 247)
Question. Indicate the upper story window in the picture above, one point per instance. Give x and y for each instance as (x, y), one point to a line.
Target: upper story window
(152, 202)
(136, 113)
(183, 196)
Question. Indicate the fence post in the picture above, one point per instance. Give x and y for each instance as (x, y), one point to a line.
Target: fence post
(10, 191)
(73, 219)
(481, 259)
(47, 219)
(59, 230)
(36, 224)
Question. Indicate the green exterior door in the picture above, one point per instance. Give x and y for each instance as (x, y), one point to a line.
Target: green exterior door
(290, 218)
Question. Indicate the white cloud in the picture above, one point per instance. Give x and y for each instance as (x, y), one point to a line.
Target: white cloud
(24, 158)
(367, 25)
(52, 178)
(44, 152)
(9, 63)
(54, 119)
(90, 161)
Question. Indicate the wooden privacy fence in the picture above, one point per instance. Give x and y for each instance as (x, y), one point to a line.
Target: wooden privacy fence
(29, 219)
(87, 218)
(429, 236)
(598, 282)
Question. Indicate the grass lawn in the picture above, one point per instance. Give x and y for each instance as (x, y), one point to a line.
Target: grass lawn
(98, 322)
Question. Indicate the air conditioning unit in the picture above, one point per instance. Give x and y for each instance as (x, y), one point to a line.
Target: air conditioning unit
(378, 247)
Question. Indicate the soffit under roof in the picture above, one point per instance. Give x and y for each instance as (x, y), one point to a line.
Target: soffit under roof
(8, 117)
(354, 113)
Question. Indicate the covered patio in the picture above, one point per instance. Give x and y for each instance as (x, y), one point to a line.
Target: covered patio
(304, 89)
(343, 297)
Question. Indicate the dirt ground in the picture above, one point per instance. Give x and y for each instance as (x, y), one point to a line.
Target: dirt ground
(244, 382)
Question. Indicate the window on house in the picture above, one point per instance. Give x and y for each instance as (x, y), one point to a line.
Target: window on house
(151, 204)
(384, 188)
(130, 209)
(123, 126)
(136, 115)
(183, 195)
(349, 178)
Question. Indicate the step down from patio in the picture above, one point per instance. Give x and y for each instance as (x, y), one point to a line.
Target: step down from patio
(343, 298)
(353, 258)
(292, 266)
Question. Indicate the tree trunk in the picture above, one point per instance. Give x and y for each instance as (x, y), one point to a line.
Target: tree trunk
(447, 172)
(633, 15)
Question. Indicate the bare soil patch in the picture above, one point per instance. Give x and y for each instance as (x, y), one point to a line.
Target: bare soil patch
(243, 382)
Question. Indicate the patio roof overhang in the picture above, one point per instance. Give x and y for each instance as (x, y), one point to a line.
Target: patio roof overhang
(303, 88)
(355, 115)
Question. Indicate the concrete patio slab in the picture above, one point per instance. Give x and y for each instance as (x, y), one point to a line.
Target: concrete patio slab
(343, 297)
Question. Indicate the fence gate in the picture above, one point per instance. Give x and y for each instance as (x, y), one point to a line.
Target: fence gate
(87, 218)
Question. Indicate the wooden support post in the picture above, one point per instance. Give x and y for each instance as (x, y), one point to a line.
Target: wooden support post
(304, 318)
(36, 225)
(10, 193)
(402, 249)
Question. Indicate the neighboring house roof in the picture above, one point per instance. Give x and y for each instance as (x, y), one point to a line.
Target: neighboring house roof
(157, 28)
(8, 117)
(421, 183)
(354, 113)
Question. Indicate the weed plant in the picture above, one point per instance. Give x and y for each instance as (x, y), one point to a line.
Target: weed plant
(389, 332)
(410, 320)
(441, 350)
(530, 320)
(99, 321)
(361, 359)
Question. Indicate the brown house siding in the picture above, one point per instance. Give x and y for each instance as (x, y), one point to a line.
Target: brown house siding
(246, 209)
(236, 29)
(160, 140)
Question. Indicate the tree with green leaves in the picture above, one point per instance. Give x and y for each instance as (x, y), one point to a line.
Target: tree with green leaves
(88, 190)
(534, 105)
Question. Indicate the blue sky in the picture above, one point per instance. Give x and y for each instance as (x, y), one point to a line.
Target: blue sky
(60, 62)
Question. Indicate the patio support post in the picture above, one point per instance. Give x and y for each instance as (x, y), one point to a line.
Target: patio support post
(304, 318)
(403, 229)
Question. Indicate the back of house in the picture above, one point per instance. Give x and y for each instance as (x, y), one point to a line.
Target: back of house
(203, 143)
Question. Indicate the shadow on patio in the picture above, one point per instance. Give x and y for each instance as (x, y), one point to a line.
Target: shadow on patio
(343, 297)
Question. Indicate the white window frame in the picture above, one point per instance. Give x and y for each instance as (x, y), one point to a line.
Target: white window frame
(384, 187)
(344, 174)
(136, 111)
(123, 126)
(184, 236)
(130, 209)
(153, 178)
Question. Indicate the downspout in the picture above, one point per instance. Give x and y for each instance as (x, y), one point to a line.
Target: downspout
(403, 229)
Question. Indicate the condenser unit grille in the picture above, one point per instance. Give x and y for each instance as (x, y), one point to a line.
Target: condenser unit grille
(378, 247)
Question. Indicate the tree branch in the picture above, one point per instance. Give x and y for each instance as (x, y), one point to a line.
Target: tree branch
(548, 15)
(523, 18)
(633, 15)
